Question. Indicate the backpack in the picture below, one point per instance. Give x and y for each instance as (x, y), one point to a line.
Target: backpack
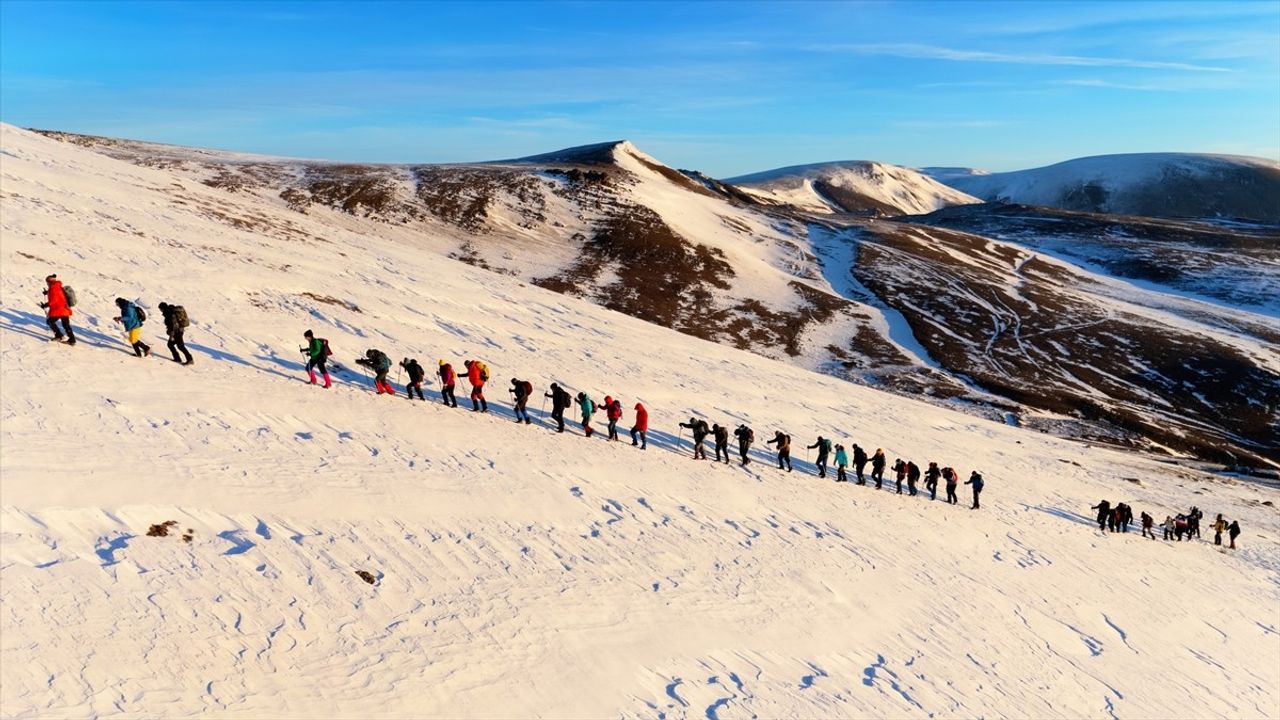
(70, 294)
(528, 388)
(484, 371)
(180, 318)
(751, 435)
(142, 314)
(325, 352)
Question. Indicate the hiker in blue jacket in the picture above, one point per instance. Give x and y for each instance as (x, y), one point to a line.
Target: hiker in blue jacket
(132, 317)
(975, 480)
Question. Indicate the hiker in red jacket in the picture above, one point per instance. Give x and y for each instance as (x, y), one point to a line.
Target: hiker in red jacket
(641, 427)
(58, 310)
(477, 375)
(448, 380)
(613, 412)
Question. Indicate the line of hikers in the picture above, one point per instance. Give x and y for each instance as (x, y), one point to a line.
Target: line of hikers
(1116, 518)
(59, 299)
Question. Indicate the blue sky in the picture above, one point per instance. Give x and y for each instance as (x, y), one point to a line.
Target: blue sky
(723, 87)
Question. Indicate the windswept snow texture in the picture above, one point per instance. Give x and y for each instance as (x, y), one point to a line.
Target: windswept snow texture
(1176, 185)
(852, 186)
(517, 572)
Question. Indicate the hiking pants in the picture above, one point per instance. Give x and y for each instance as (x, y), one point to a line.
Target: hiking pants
(644, 442)
(840, 474)
(822, 465)
(878, 476)
(413, 387)
(135, 340)
(613, 429)
(784, 456)
(951, 494)
(858, 468)
(699, 449)
(722, 448)
(911, 487)
(522, 410)
(900, 485)
(477, 398)
(66, 328)
(743, 449)
(446, 394)
(557, 414)
(176, 344)
(976, 493)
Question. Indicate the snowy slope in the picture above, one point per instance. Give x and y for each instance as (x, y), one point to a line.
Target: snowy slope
(1156, 184)
(852, 186)
(523, 573)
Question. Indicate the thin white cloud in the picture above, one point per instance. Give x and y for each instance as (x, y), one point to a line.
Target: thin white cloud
(935, 52)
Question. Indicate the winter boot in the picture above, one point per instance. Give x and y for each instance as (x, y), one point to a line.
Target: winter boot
(327, 382)
(312, 375)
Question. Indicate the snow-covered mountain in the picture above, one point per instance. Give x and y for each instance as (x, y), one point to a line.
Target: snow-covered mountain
(1175, 185)
(519, 572)
(852, 186)
(968, 315)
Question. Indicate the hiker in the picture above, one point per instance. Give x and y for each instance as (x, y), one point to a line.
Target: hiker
(448, 380)
(613, 413)
(522, 389)
(783, 441)
(975, 479)
(824, 447)
(859, 462)
(877, 467)
(1180, 527)
(1233, 531)
(842, 460)
(953, 479)
(700, 430)
(1219, 526)
(560, 401)
(931, 480)
(1168, 526)
(900, 469)
(1126, 516)
(721, 435)
(641, 427)
(745, 436)
(175, 324)
(131, 317)
(57, 304)
(1148, 523)
(1104, 513)
(477, 375)
(587, 406)
(317, 352)
(380, 364)
(416, 376)
(1193, 522)
(913, 477)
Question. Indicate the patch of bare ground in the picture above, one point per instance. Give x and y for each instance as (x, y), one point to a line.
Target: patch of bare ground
(330, 300)
(1033, 338)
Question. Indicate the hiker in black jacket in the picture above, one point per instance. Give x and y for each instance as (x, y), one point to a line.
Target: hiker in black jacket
(416, 375)
(859, 462)
(560, 401)
(824, 448)
(175, 325)
(700, 431)
(913, 477)
(521, 389)
(1104, 513)
(721, 435)
(745, 436)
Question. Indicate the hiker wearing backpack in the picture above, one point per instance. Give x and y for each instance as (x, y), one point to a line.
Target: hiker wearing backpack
(132, 317)
(877, 467)
(783, 441)
(380, 364)
(448, 381)
(613, 413)
(560, 402)
(824, 447)
(317, 352)
(913, 477)
(521, 390)
(58, 301)
(588, 408)
(477, 375)
(953, 479)
(641, 427)
(842, 461)
(700, 431)
(721, 435)
(900, 468)
(175, 325)
(931, 480)
(975, 479)
(416, 376)
(745, 436)
(859, 463)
